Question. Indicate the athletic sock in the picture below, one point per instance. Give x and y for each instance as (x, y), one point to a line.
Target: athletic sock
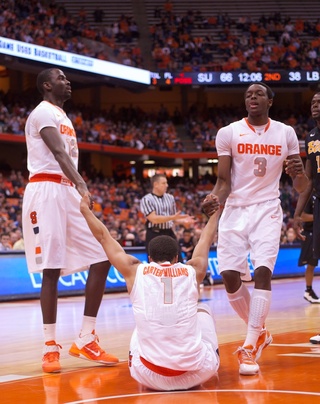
(88, 325)
(49, 332)
(259, 309)
(240, 302)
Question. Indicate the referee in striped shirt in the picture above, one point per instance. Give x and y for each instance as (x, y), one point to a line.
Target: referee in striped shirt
(160, 210)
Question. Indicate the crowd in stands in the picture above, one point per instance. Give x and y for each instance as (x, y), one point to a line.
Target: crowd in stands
(194, 42)
(202, 125)
(134, 128)
(50, 25)
(189, 42)
(127, 127)
(117, 204)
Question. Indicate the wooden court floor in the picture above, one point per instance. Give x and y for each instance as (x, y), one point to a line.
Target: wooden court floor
(289, 367)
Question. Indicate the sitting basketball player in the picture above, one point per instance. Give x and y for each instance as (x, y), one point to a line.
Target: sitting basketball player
(174, 344)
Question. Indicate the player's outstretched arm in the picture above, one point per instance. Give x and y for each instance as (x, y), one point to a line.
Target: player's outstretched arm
(294, 167)
(126, 264)
(200, 254)
(222, 188)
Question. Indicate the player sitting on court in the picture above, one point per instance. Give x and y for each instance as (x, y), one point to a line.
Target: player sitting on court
(174, 344)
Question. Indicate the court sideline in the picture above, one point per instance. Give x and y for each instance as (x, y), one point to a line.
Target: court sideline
(288, 368)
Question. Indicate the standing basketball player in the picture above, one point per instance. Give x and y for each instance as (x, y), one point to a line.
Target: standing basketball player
(313, 173)
(251, 153)
(57, 238)
(174, 345)
(306, 257)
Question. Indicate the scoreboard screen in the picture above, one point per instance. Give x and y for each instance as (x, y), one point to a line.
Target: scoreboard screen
(233, 78)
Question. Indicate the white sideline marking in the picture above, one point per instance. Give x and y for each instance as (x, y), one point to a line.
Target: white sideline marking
(304, 344)
(11, 378)
(308, 393)
(305, 354)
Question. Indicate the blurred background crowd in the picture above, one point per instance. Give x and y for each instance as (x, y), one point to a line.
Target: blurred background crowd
(166, 35)
(117, 202)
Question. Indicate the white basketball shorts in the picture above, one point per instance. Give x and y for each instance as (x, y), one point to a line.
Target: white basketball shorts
(254, 230)
(56, 234)
(209, 364)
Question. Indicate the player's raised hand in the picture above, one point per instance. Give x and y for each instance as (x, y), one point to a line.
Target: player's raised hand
(294, 167)
(298, 227)
(86, 202)
(210, 205)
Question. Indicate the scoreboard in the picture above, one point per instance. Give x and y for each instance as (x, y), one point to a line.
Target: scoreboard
(235, 78)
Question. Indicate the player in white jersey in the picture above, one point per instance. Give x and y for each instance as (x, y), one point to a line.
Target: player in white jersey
(57, 238)
(252, 153)
(174, 345)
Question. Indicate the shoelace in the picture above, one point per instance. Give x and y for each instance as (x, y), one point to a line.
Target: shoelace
(94, 346)
(52, 356)
(248, 353)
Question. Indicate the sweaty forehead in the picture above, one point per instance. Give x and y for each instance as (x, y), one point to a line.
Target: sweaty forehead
(316, 97)
(256, 87)
(56, 73)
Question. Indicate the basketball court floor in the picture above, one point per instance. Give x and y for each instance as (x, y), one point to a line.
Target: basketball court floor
(289, 367)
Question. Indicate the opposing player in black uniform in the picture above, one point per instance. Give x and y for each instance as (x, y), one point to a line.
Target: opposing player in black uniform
(312, 170)
(306, 253)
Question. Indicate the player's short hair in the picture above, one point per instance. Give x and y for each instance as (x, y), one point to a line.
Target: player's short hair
(270, 93)
(43, 77)
(156, 178)
(163, 248)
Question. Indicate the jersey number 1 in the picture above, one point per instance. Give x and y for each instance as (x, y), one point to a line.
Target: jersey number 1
(167, 290)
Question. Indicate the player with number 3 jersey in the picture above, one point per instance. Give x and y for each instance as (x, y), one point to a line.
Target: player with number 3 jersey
(251, 154)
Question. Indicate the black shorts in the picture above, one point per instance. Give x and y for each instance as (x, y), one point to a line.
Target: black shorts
(306, 254)
(316, 228)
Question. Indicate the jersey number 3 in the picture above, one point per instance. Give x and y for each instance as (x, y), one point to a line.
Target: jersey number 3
(260, 171)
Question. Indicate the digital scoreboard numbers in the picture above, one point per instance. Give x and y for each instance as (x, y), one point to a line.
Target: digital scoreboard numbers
(234, 78)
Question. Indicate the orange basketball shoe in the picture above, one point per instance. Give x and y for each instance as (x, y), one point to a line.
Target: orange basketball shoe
(247, 364)
(87, 347)
(265, 339)
(51, 356)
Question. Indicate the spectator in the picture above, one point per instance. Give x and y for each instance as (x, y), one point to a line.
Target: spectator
(186, 244)
(141, 238)
(17, 240)
(5, 244)
(291, 237)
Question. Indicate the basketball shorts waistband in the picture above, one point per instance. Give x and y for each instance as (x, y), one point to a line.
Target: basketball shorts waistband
(161, 370)
(51, 178)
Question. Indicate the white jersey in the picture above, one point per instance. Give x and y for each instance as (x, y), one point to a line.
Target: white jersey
(257, 159)
(56, 234)
(40, 158)
(164, 299)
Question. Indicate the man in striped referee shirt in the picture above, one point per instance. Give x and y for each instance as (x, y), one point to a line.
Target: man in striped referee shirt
(160, 210)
